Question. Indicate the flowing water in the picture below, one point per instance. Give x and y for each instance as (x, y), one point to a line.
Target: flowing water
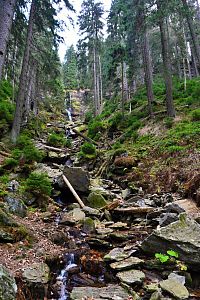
(63, 277)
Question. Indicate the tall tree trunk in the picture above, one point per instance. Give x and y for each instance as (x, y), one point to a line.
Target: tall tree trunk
(192, 30)
(166, 61)
(101, 84)
(148, 71)
(122, 79)
(95, 81)
(7, 8)
(23, 77)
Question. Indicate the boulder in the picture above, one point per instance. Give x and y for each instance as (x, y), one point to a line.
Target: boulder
(131, 276)
(37, 273)
(174, 288)
(78, 178)
(96, 200)
(36, 277)
(181, 236)
(8, 287)
(74, 216)
(16, 206)
(110, 292)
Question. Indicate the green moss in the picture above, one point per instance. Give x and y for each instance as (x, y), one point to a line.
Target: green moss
(94, 128)
(38, 183)
(56, 140)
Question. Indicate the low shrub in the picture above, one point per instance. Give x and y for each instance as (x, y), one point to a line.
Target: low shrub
(94, 128)
(38, 183)
(56, 140)
(88, 148)
(195, 115)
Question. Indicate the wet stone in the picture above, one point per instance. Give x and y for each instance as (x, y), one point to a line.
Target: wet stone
(127, 263)
(131, 276)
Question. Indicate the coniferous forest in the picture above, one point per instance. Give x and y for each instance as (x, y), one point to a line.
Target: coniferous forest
(100, 150)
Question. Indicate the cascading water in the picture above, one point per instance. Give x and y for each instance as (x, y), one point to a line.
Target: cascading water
(63, 277)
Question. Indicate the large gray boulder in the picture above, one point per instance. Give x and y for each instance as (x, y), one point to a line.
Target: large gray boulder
(181, 236)
(16, 206)
(8, 286)
(78, 178)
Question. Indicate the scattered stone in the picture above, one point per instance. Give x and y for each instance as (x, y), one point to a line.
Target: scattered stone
(36, 278)
(120, 236)
(96, 200)
(13, 186)
(127, 263)
(6, 237)
(131, 276)
(78, 178)
(16, 206)
(157, 295)
(88, 225)
(167, 218)
(118, 254)
(91, 211)
(151, 288)
(103, 230)
(110, 292)
(37, 273)
(174, 288)
(119, 225)
(53, 173)
(99, 243)
(8, 287)
(177, 277)
(182, 236)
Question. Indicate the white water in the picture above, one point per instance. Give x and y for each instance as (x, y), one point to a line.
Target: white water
(69, 114)
(63, 277)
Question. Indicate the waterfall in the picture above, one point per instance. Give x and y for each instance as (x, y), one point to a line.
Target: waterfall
(69, 114)
(63, 277)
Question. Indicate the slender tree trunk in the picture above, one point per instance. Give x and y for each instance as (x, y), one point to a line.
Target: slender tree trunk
(194, 62)
(7, 8)
(101, 85)
(166, 62)
(122, 79)
(95, 81)
(178, 63)
(148, 71)
(23, 77)
(192, 30)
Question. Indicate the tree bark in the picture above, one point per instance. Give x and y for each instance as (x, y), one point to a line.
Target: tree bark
(148, 71)
(166, 61)
(192, 30)
(23, 77)
(7, 8)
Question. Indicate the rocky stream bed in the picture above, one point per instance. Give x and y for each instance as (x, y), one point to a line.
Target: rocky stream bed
(102, 250)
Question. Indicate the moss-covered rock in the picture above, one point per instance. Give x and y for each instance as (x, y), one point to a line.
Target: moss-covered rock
(96, 200)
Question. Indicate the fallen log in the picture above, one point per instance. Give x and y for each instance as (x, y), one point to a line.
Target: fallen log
(73, 191)
(135, 210)
(85, 137)
(42, 146)
(5, 153)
